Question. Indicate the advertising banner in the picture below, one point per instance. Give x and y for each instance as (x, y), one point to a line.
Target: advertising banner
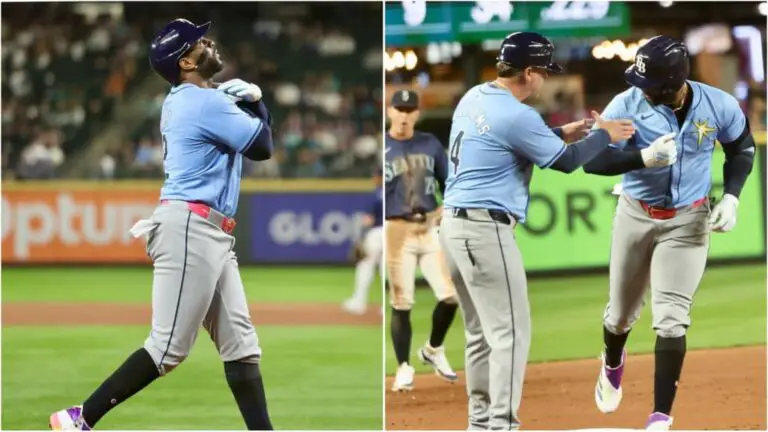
(79, 225)
(305, 227)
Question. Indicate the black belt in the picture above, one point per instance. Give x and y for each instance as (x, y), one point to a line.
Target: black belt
(413, 217)
(497, 215)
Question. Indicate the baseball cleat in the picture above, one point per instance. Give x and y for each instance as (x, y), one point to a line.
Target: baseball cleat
(658, 421)
(68, 419)
(403, 378)
(354, 306)
(608, 388)
(436, 358)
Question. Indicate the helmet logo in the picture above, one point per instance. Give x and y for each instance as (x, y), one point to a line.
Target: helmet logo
(640, 64)
(405, 95)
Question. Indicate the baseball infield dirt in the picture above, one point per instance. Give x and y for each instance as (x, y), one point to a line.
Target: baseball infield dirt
(27, 314)
(719, 389)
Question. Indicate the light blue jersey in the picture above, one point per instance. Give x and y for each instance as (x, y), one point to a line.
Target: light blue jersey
(204, 134)
(495, 141)
(714, 114)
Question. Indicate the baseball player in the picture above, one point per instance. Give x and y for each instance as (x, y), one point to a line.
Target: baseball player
(206, 131)
(368, 252)
(495, 142)
(414, 163)
(663, 219)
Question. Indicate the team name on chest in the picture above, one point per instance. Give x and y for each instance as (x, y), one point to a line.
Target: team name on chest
(410, 163)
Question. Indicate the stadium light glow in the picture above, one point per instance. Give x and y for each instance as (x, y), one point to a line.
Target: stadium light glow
(607, 50)
(411, 60)
(666, 3)
(763, 8)
(398, 59)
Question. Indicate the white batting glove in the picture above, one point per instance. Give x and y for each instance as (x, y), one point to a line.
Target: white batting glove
(241, 89)
(661, 153)
(723, 218)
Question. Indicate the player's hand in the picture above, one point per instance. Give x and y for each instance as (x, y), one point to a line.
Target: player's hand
(662, 152)
(241, 89)
(723, 218)
(619, 130)
(576, 130)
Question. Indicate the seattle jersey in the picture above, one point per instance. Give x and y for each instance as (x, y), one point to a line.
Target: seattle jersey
(203, 134)
(714, 114)
(495, 142)
(410, 170)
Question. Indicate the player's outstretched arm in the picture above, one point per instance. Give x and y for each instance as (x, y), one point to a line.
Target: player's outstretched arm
(583, 151)
(612, 161)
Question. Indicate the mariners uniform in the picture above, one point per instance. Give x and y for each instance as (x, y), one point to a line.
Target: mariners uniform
(662, 222)
(495, 142)
(189, 237)
(415, 163)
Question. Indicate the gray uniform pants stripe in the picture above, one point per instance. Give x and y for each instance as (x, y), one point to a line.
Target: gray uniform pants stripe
(487, 270)
(181, 289)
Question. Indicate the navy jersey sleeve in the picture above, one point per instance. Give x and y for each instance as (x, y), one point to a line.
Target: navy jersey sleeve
(441, 161)
(224, 122)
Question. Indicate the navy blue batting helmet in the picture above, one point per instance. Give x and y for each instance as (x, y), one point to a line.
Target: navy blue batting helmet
(661, 64)
(527, 49)
(171, 43)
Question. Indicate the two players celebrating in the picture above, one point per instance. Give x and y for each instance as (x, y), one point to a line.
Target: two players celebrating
(660, 134)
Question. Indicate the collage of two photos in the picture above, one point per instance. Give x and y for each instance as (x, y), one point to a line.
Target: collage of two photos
(397, 215)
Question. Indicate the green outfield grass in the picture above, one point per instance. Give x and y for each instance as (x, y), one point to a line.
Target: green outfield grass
(729, 310)
(317, 377)
(134, 284)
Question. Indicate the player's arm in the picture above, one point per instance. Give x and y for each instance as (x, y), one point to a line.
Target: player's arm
(738, 145)
(441, 166)
(615, 159)
(537, 142)
(226, 123)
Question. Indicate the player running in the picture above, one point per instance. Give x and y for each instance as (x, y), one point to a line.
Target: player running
(663, 220)
(368, 252)
(189, 236)
(415, 162)
(495, 142)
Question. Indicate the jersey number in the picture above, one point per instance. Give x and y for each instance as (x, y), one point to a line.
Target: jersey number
(454, 151)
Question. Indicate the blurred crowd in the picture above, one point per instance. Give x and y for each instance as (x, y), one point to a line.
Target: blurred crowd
(67, 71)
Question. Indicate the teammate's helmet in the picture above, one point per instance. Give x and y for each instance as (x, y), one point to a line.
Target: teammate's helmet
(171, 43)
(662, 64)
(527, 49)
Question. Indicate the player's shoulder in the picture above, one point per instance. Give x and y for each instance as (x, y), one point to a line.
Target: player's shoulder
(426, 137)
(711, 93)
(191, 95)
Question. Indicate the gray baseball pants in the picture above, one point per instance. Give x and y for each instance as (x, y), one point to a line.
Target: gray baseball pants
(668, 254)
(487, 270)
(196, 283)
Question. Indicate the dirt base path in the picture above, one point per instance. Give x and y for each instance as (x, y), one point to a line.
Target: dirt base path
(719, 389)
(47, 314)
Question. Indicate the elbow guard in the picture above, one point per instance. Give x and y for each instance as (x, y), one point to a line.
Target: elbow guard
(260, 149)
